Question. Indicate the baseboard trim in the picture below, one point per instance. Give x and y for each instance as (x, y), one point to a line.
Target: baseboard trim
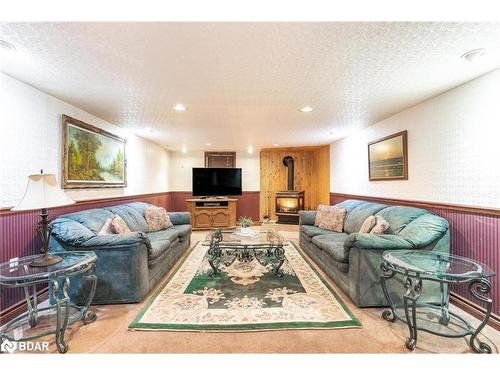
(476, 311)
(15, 310)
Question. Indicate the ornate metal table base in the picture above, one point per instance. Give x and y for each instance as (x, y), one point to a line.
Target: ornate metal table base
(479, 288)
(263, 253)
(62, 310)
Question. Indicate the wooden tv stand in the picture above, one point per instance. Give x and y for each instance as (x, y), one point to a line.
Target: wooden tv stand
(211, 213)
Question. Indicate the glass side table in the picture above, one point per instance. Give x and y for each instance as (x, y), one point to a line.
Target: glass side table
(445, 269)
(54, 319)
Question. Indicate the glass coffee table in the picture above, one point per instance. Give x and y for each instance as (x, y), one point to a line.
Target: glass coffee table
(225, 246)
(445, 269)
(38, 321)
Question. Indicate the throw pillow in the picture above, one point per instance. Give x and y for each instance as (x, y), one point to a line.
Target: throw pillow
(368, 224)
(106, 228)
(381, 225)
(119, 225)
(334, 219)
(321, 213)
(157, 218)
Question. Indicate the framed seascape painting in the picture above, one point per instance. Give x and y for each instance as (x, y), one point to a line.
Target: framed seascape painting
(388, 158)
(92, 157)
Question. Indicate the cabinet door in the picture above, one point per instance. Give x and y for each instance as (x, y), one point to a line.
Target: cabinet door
(202, 219)
(220, 218)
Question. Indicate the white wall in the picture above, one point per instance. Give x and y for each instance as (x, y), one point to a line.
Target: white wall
(30, 139)
(453, 149)
(180, 175)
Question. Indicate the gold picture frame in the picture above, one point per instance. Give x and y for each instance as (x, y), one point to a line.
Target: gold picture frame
(388, 158)
(91, 156)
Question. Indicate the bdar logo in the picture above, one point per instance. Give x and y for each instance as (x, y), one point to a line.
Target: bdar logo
(8, 346)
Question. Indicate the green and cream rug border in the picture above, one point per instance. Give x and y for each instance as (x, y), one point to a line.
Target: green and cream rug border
(353, 322)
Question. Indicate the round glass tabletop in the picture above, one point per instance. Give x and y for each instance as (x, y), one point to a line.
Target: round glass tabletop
(439, 265)
(21, 269)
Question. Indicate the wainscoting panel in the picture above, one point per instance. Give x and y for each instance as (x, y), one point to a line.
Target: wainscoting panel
(475, 234)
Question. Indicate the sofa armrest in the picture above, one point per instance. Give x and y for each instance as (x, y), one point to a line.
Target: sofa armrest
(307, 217)
(179, 218)
(121, 268)
(378, 242)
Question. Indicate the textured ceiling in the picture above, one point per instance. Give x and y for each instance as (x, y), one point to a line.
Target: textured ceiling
(244, 82)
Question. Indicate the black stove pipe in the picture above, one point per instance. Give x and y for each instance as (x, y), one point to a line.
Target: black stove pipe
(289, 163)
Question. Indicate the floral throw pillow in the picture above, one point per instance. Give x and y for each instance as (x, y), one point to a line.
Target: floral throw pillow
(107, 228)
(321, 213)
(157, 219)
(333, 219)
(119, 225)
(381, 225)
(368, 224)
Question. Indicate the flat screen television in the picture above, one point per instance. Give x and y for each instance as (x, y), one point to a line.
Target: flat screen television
(216, 181)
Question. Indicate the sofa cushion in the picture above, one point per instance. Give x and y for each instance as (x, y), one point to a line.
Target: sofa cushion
(333, 219)
(119, 226)
(425, 229)
(70, 231)
(184, 231)
(399, 217)
(358, 214)
(131, 216)
(139, 206)
(107, 228)
(381, 225)
(157, 219)
(163, 239)
(312, 230)
(322, 213)
(333, 244)
(158, 248)
(368, 224)
(92, 219)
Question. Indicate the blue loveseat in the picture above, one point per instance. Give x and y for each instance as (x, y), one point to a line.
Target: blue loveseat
(128, 265)
(352, 259)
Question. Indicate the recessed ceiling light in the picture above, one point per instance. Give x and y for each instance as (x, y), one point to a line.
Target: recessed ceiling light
(276, 144)
(208, 144)
(306, 109)
(6, 46)
(180, 107)
(250, 149)
(184, 149)
(474, 54)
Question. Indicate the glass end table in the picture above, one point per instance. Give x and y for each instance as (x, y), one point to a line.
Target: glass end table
(264, 245)
(38, 322)
(445, 269)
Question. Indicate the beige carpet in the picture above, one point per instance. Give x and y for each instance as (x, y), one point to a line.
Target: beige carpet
(109, 334)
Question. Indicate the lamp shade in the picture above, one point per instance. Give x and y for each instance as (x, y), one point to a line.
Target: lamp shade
(42, 192)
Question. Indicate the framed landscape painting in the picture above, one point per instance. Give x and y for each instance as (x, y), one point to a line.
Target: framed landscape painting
(92, 157)
(388, 158)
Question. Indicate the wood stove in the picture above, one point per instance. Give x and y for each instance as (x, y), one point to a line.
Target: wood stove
(288, 205)
(289, 202)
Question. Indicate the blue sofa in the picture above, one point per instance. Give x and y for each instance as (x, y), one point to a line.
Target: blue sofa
(352, 260)
(128, 265)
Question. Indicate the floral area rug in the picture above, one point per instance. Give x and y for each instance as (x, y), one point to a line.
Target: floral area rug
(244, 296)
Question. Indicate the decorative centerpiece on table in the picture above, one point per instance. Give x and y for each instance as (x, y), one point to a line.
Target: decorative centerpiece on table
(246, 223)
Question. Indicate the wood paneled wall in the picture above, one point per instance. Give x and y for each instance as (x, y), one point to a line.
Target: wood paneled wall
(312, 174)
